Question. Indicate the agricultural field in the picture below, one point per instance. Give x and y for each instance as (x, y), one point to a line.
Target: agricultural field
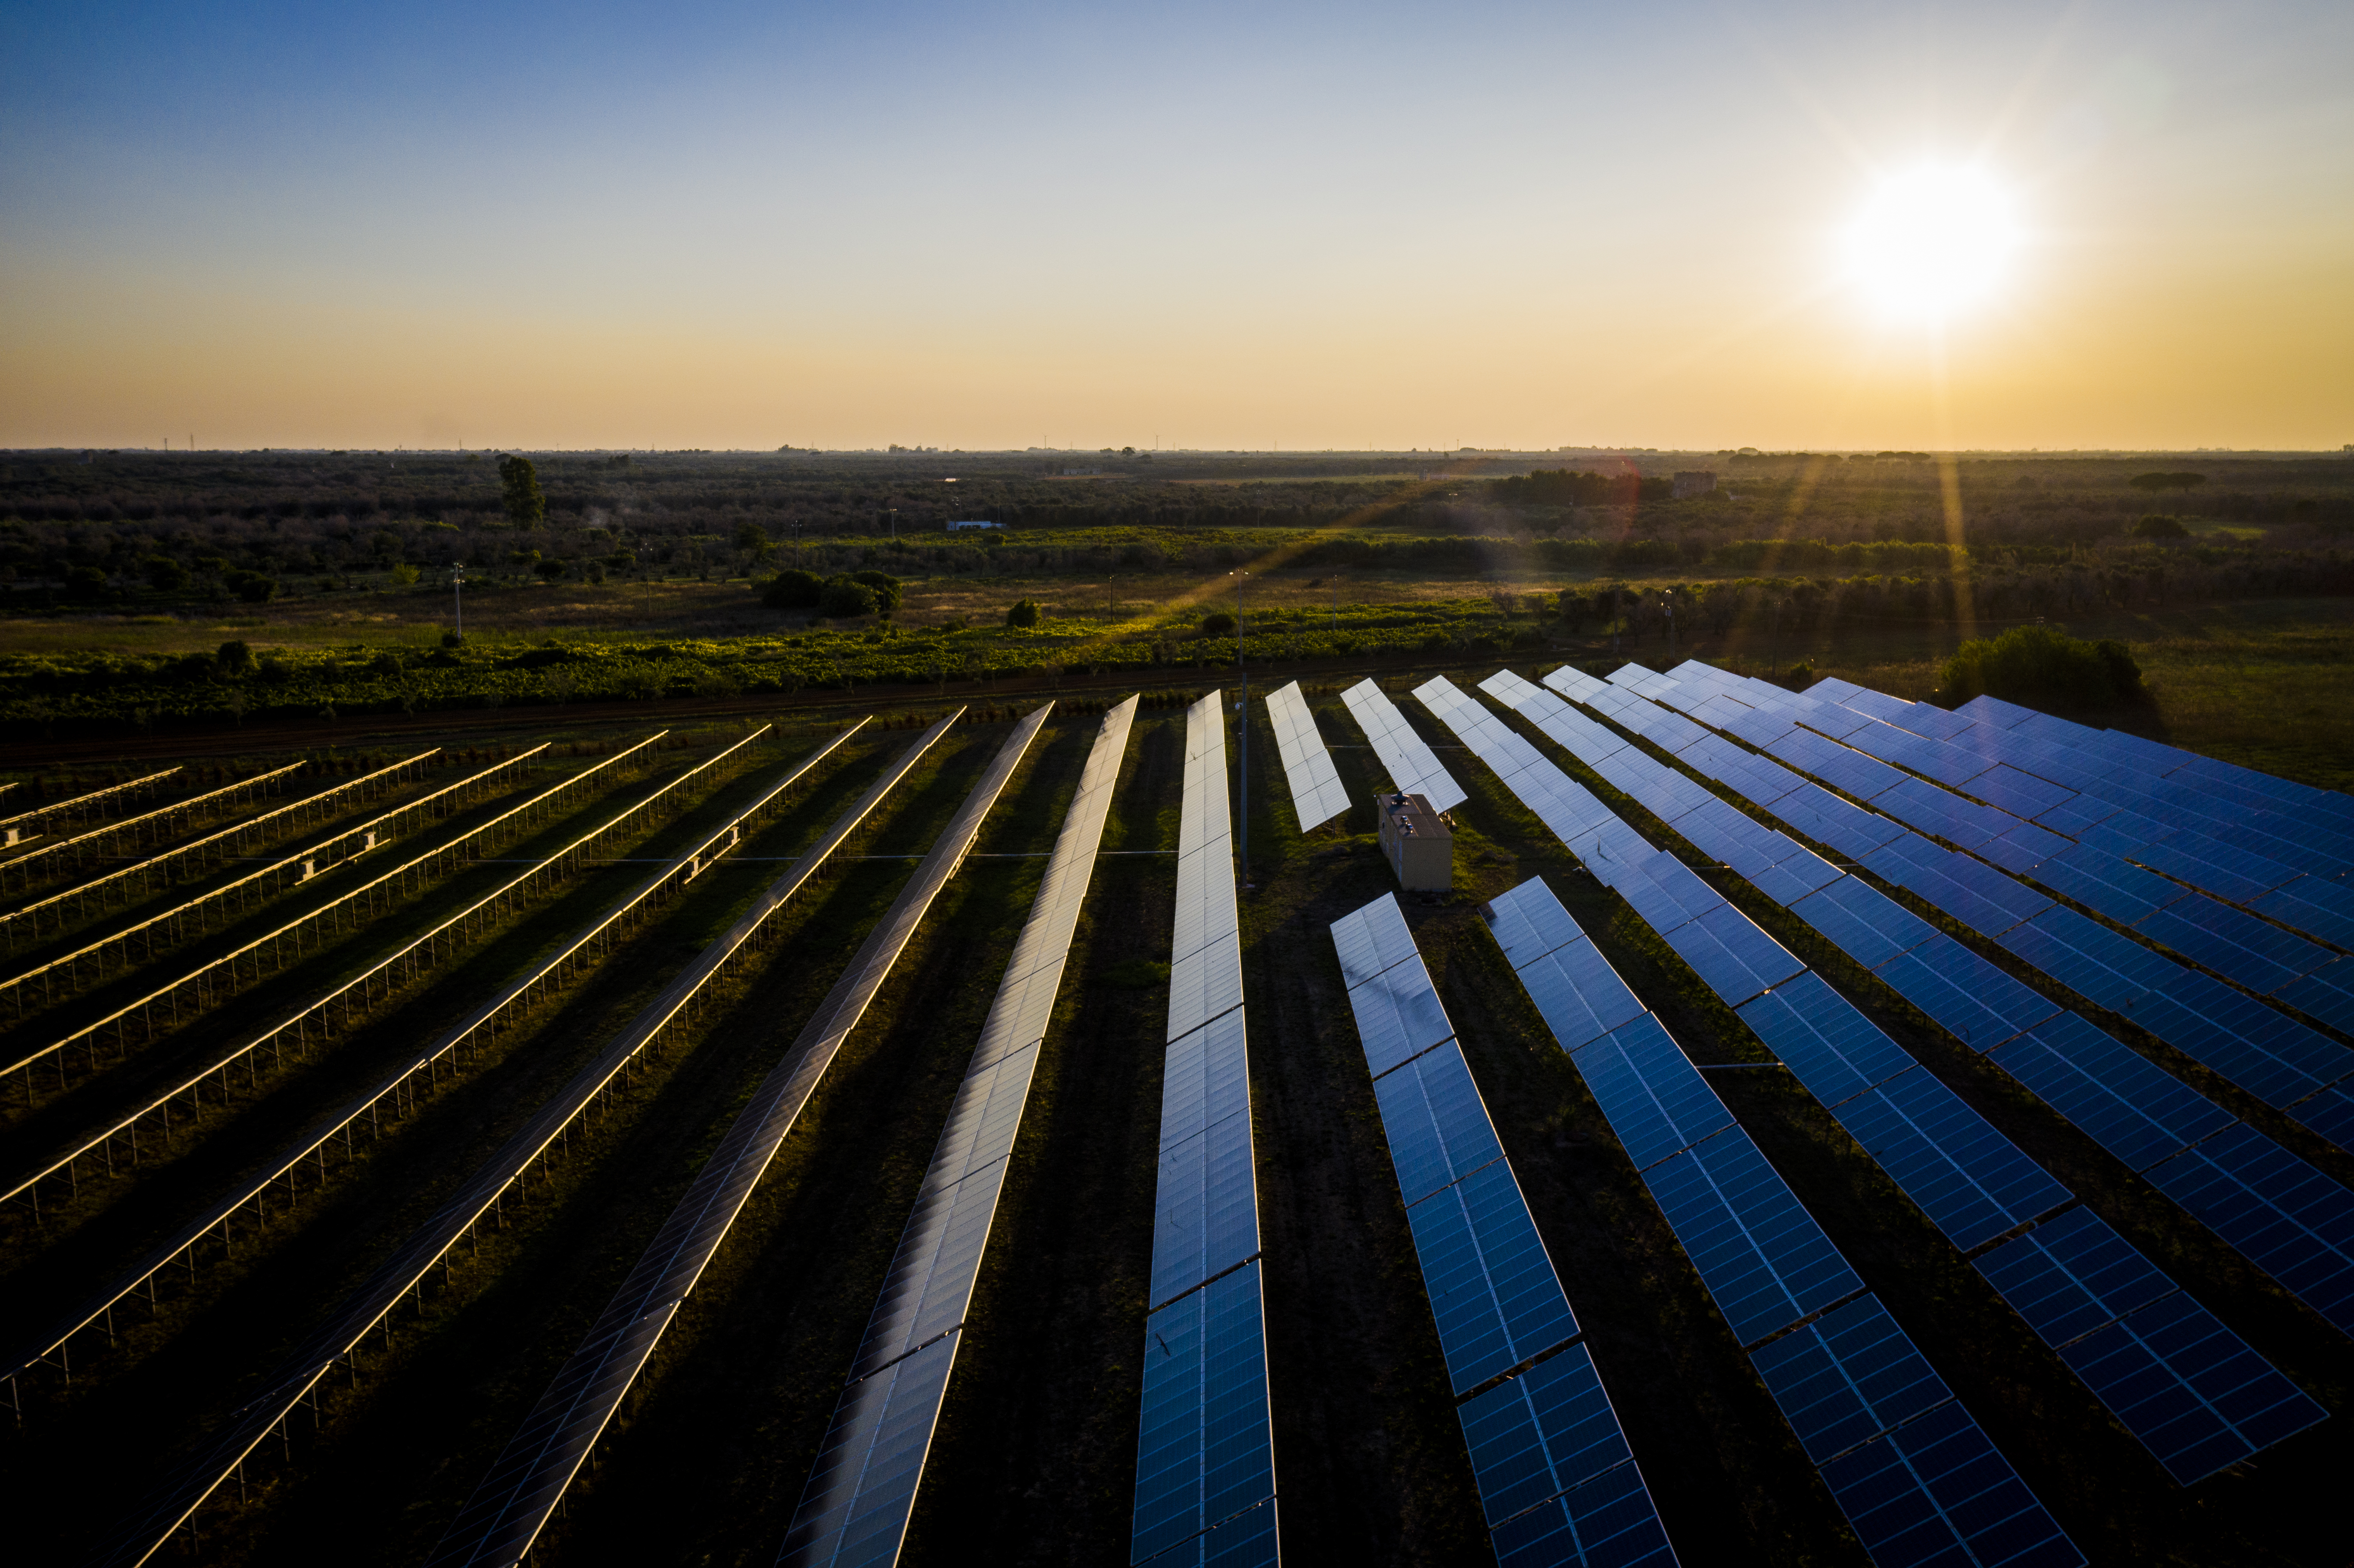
(367, 1145)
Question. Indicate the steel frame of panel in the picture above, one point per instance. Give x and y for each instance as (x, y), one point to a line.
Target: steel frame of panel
(1541, 1432)
(1317, 795)
(513, 1503)
(1206, 1461)
(855, 1505)
(1413, 769)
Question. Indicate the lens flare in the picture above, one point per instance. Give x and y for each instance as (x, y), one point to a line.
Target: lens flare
(1933, 241)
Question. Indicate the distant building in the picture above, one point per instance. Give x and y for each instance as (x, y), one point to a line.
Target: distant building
(1693, 483)
(955, 527)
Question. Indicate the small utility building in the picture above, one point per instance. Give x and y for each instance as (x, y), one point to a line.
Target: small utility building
(1418, 842)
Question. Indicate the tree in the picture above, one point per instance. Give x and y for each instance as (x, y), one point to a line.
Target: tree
(2157, 481)
(526, 504)
(1025, 613)
(2158, 526)
(1217, 623)
(404, 573)
(252, 587)
(164, 575)
(846, 597)
(234, 658)
(2041, 665)
(85, 585)
(886, 587)
(751, 538)
(793, 589)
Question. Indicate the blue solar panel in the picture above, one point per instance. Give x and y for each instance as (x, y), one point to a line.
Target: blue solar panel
(1398, 1016)
(1580, 995)
(2287, 1061)
(1864, 922)
(2023, 847)
(1529, 922)
(1836, 1052)
(1841, 767)
(1763, 1260)
(1727, 950)
(2199, 940)
(1981, 1004)
(1437, 1127)
(1667, 893)
(1608, 1522)
(1538, 1435)
(2020, 794)
(1204, 1449)
(2126, 1103)
(1846, 1377)
(1827, 819)
(1656, 1101)
(1492, 1287)
(1205, 1212)
(2324, 909)
(1205, 1079)
(2092, 960)
(1978, 895)
(2261, 955)
(2329, 1113)
(1931, 810)
(1371, 939)
(1935, 1491)
(2190, 1389)
(862, 1486)
(1796, 872)
(1972, 1182)
(2287, 1218)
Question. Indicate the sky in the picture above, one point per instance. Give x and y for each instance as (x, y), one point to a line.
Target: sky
(1231, 227)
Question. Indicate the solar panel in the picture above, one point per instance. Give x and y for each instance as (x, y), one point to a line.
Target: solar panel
(2259, 956)
(1847, 1377)
(1976, 896)
(1555, 1477)
(1206, 1210)
(861, 1488)
(1977, 1002)
(1371, 939)
(2089, 958)
(1398, 1016)
(1579, 994)
(1934, 1490)
(1317, 795)
(1864, 922)
(1836, 1052)
(1437, 1127)
(1492, 1287)
(2126, 1103)
(1412, 766)
(2287, 1218)
(1841, 767)
(1728, 951)
(1205, 1078)
(2190, 1389)
(1656, 1101)
(1827, 819)
(1972, 1182)
(2319, 908)
(1666, 892)
(2023, 847)
(1205, 1454)
(1795, 873)
(2323, 994)
(2263, 1051)
(1529, 922)
(1765, 1261)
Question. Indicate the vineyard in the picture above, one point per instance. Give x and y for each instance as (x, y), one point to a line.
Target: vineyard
(595, 1140)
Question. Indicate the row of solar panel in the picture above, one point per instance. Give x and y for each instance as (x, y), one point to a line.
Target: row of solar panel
(2287, 1217)
(2294, 873)
(1317, 795)
(2097, 871)
(1916, 1476)
(1546, 1447)
(1205, 1454)
(2287, 1063)
(1970, 1180)
(1412, 766)
(855, 1506)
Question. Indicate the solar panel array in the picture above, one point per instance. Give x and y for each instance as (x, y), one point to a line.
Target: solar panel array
(1972, 1182)
(2095, 826)
(1317, 795)
(527, 1481)
(1916, 1476)
(1205, 1449)
(1546, 1447)
(2278, 1210)
(1412, 766)
(855, 1508)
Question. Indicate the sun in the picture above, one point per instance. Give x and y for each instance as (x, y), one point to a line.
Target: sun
(1932, 242)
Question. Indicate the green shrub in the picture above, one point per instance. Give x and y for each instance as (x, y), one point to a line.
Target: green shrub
(164, 575)
(845, 597)
(1217, 623)
(85, 585)
(2159, 525)
(252, 587)
(793, 590)
(2041, 665)
(886, 587)
(1023, 613)
(234, 658)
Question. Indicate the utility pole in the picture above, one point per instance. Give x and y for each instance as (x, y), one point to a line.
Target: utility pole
(458, 595)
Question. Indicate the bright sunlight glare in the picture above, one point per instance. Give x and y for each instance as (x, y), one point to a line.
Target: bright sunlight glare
(1933, 241)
